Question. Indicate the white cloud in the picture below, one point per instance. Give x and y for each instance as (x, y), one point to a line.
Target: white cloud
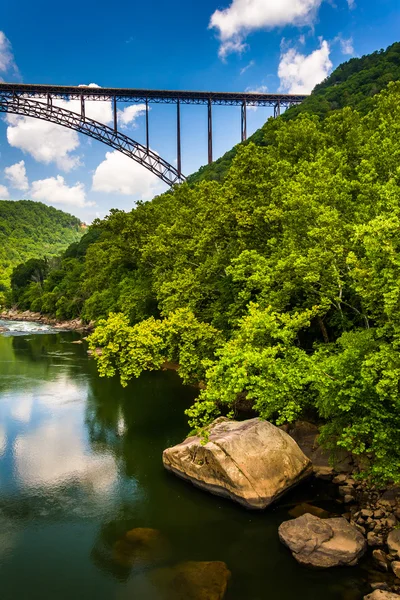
(231, 46)
(247, 67)
(7, 62)
(346, 45)
(16, 175)
(243, 16)
(54, 190)
(299, 73)
(129, 114)
(352, 4)
(4, 193)
(121, 175)
(45, 141)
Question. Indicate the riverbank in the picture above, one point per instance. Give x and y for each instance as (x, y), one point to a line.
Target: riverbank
(27, 315)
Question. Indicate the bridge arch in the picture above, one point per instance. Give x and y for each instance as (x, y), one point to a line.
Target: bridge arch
(79, 122)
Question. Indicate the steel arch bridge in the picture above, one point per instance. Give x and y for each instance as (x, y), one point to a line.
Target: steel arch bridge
(37, 101)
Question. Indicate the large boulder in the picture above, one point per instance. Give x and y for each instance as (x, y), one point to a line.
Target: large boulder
(323, 542)
(381, 595)
(252, 462)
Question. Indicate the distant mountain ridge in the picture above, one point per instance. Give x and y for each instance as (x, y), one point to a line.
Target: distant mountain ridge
(31, 229)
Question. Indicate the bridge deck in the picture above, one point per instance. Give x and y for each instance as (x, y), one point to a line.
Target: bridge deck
(141, 95)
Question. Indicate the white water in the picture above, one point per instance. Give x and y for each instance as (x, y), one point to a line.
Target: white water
(23, 327)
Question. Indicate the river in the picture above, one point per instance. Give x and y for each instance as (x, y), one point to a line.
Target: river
(80, 464)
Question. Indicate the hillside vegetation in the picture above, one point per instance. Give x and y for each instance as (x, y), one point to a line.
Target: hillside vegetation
(279, 284)
(354, 83)
(32, 230)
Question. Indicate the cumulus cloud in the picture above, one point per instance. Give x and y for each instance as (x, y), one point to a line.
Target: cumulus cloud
(121, 175)
(4, 193)
(46, 142)
(244, 16)
(7, 62)
(128, 115)
(300, 73)
(16, 175)
(54, 190)
(232, 46)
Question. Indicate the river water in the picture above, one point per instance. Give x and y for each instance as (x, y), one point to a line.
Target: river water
(80, 465)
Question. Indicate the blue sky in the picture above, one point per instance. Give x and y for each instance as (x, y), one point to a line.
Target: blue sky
(229, 45)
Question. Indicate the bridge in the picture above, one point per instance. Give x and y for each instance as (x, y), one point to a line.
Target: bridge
(38, 101)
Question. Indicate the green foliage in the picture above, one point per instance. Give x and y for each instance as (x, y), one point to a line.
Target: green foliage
(31, 230)
(264, 362)
(179, 339)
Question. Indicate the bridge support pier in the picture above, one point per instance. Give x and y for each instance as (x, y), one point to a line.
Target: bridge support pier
(277, 109)
(178, 140)
(115, 114)
(82, 108)
(210, 140)
(244, 121)
(147, 125)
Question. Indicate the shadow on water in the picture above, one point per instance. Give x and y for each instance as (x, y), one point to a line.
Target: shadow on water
(80, 465)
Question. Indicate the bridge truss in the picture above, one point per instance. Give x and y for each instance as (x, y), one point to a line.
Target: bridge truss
(37, 101)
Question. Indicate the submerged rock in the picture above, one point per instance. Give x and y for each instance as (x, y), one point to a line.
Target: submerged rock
(252, 462)
(192, 581)
(304, 508)
(140, 545)
(322, 542)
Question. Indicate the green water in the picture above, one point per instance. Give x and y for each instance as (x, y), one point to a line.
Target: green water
(80, 464)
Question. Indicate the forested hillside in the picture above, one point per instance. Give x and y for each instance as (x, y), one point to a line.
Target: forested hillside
(354, 83)
(280, 283)
(32, 230)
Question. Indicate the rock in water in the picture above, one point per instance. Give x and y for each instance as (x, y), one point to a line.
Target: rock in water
(140, 545)
(192, 581)
(252, 462)
(323, 543)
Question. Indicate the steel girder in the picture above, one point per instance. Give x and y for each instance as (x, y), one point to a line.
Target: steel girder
(147, 158)
(155, 96)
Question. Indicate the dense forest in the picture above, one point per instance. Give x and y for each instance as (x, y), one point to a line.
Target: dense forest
(32, 230)
(278, 283)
